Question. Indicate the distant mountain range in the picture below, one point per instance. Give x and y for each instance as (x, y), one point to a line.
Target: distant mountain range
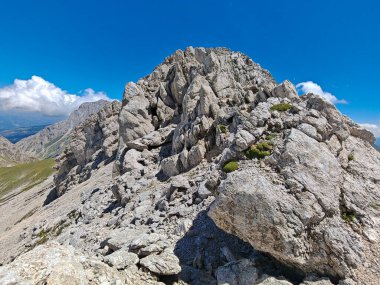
(10, 120)
(17, 134)
(39, 142)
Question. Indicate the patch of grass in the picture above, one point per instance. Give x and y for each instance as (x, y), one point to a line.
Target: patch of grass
(259, 150)
(349, 216)
(230, 166)
(25, 175)
(282, 107)
(223, 129)
(271, 136)
(351, 157)
(43, 235)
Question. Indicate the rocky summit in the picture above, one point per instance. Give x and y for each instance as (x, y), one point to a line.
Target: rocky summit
(209, 172)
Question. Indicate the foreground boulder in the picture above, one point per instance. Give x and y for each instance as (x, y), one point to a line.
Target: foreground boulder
(312, 206)
(54, 264)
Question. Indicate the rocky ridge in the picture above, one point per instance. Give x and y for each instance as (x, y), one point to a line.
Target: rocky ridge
(213, 152)
(92, 144)
(52, 140)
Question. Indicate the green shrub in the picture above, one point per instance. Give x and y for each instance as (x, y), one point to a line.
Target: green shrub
(230, 166)
(351, 157)
(271, 136)
(43, 235)
(282, 107)
(349, 216)
(259, 150)
(223, 129)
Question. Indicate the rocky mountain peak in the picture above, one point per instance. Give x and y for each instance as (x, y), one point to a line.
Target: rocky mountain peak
(222, 176)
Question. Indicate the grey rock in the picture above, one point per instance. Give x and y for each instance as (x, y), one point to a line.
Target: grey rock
(121, 259)
(56, 264)
(285, 90)
(164, 263)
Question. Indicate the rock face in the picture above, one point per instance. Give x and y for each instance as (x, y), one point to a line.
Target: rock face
(211, 134)
(55, 264)
(93, 142)
(52, 140)
(312, 203)
(215, 104)
(184, 99)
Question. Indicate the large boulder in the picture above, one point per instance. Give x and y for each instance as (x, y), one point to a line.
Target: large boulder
(315, 209)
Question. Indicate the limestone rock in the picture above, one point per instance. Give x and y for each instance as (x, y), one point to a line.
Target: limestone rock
(162, 264)
(121, 259)
(311, 227)
(55, 264)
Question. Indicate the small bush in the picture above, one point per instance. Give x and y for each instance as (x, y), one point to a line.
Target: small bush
(351, 157)
(230, 166)
(223, 129)
(282, 107)
(43, 235)
(349, 216)
(259, 150)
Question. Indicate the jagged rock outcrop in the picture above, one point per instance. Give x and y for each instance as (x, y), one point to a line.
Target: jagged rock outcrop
(211, 134)
(183, 101)
(215, 104)
(312, 203)
(52, 140)
(92, 143)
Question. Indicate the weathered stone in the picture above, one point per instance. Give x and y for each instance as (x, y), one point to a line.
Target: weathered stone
(164, 263)
(121, 259)
(55, 264)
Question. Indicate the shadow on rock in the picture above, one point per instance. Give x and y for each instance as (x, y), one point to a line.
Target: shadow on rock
(205, 248)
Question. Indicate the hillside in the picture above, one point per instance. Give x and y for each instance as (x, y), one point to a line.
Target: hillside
(210, 172)
(24, 176)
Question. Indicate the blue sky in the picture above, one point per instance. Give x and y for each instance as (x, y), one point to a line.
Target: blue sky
(101, 45)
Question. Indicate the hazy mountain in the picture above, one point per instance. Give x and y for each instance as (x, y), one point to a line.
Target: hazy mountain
(15, 135)
(10, 120)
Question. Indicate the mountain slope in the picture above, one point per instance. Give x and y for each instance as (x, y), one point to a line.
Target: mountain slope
(25, 175)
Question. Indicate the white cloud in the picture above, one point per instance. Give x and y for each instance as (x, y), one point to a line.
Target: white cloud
(375, 129)
(311, 87)
(39, 95)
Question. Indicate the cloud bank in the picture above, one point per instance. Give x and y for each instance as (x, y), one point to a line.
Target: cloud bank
(375, 129)
(39, 95)
(311, 87)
